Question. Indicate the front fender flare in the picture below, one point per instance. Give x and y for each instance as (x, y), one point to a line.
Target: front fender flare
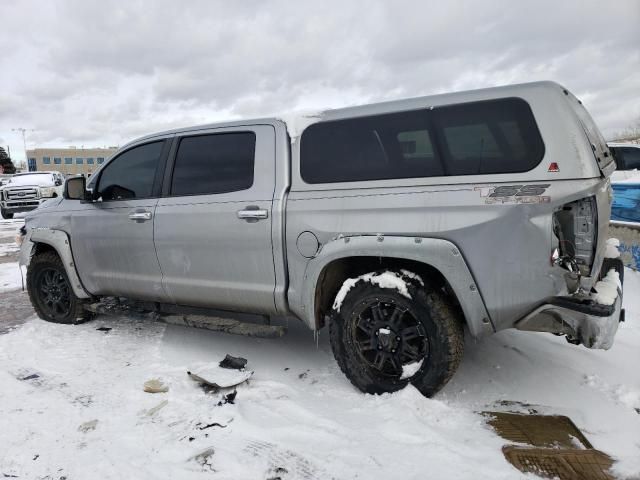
(437, 253)
(58, 240)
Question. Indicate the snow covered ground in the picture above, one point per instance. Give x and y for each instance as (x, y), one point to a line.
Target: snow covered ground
(298, 417)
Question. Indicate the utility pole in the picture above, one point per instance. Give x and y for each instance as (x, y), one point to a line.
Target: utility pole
(24, 143)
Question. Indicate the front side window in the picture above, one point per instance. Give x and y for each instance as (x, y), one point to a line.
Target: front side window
(100, 160)
(89, 161)
(68, 160)
(79, 161)
(131, 174)
(57, 160)
(497, 136)
(46, 160)
(217, 163)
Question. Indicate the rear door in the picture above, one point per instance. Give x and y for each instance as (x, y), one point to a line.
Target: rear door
(213, 224)
(112, 238)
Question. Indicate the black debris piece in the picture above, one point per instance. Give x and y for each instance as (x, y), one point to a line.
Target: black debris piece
(33, 376)
(191, 439)
(36, 457)
(286, 369)
(214, 424)
(228, 398)
(278, 473)
(233, 363)
(104, 329)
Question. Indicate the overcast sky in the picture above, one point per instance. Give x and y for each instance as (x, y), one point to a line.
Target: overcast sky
(98, 73)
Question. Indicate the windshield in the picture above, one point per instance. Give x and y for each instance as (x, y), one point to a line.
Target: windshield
(40, 179)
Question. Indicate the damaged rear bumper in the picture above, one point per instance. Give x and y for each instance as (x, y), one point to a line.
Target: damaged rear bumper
(580, 318)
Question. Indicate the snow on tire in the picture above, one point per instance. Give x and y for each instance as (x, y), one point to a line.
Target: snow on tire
(384, 335)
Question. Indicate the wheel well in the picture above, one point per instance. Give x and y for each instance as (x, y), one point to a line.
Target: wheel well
(335, 273)
(42, 248)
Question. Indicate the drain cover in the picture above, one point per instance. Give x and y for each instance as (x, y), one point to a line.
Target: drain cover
(555, 447)
(563, 464)
(554, 431)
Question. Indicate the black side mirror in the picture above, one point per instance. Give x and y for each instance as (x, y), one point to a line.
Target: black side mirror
(75, 188)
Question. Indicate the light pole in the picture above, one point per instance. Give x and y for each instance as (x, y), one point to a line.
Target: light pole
(24, 142)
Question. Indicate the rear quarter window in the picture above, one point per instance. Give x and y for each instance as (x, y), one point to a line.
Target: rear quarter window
(489, 137)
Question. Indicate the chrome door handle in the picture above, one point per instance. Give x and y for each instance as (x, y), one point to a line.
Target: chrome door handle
(140, 216)
(252, 213)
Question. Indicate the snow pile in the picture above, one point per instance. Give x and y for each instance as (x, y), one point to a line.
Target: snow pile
(607, 288)
(386, 279)
(298, 412)
(412, 276)
(410, 369)
(10, 278)
(612, 248)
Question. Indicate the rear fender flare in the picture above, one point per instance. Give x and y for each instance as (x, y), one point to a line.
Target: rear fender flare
(437, 253)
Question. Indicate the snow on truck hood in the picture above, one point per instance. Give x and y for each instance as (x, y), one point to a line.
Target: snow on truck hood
(41, 180)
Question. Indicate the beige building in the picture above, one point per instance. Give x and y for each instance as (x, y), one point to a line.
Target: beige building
(70, 161)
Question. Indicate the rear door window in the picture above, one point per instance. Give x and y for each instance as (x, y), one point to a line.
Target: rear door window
(211, 164)
(497, 136)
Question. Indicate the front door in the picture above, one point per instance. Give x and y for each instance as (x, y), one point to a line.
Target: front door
(112, 238)
(213, 224)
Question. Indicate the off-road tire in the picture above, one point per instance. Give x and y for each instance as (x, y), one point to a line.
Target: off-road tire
(431, 307)
(50, 262)
(6, 215)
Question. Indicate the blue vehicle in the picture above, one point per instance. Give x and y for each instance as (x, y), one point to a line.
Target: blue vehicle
(625, 210)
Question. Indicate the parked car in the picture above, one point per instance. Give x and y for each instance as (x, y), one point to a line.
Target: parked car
(27, 191)
(627, 157)
(394, 225)
(626, 188)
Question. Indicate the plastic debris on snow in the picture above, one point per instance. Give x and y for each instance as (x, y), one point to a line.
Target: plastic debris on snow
(612, 248)
(410, 369)
(386, 279)
(155, 385)
(203, 457)
(152, 411)
(88, 426)
(607, 288)
(217, 377)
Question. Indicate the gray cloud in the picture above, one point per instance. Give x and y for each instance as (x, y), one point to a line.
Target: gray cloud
(102, 72)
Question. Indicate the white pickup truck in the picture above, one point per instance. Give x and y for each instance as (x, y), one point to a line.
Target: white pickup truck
(26, 191)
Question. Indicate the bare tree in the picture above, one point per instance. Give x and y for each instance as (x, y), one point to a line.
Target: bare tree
(6, 165)
(629, 134)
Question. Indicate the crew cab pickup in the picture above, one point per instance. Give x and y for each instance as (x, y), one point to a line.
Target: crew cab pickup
(399, 226)
(24, 192)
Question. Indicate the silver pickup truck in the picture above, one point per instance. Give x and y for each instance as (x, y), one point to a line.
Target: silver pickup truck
(398, 226)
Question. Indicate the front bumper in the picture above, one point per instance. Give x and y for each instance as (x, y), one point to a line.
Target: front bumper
(580, 318)
(21, 206)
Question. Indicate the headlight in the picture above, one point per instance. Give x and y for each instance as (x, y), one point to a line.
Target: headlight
(47, 192)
